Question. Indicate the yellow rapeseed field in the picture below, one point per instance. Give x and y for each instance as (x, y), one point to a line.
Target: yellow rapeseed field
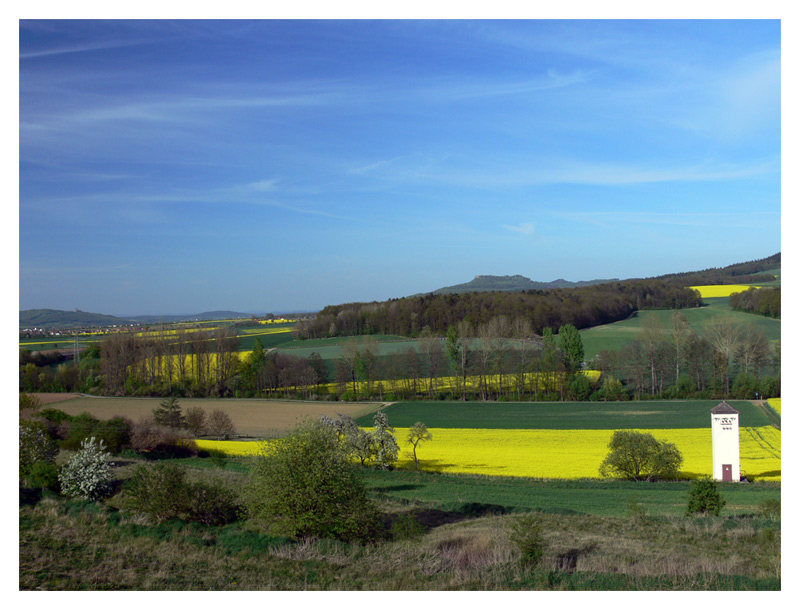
(559, 454)
(451, 384)
(710, 292)
(775, 403)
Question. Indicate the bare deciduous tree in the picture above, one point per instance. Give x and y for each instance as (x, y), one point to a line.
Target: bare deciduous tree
(220, 424)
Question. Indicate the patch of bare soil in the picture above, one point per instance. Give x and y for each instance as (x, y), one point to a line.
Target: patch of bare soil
(251, 417)
(49, 397)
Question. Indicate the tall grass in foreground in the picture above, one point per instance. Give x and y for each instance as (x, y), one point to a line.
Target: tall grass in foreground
(68, 545)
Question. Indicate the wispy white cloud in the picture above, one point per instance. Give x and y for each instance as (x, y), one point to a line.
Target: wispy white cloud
(565, 171)
(149, 208)
(526, 228)
(79, 48)
(743, 100)
(378, 164)
(26, 269)
(264, 186)
(687, 219)
(462, 89)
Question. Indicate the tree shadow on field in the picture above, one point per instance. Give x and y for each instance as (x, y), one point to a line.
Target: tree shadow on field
(404, 487)
(430, 518)
(29, 497)
(769, 473)
(568, 561)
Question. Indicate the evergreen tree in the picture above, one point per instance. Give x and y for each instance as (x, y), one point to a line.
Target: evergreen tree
(571, 345)
(168, 413)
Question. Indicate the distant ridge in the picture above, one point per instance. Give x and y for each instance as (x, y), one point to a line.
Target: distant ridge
(199, 317)
(56, 318)
(510, 283)
(48, 318)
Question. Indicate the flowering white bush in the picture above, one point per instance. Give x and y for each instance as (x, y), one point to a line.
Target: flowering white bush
(88, 474)
(385, 442)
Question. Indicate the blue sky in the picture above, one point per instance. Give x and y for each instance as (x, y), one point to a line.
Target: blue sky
(179, 167)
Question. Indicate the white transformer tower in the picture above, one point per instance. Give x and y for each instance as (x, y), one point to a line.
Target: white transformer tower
(725, 442)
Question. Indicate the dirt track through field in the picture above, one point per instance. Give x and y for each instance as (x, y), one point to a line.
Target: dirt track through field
(252, 417)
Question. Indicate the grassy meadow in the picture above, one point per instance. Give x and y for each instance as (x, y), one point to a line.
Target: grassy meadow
(619, 334)
(596, 535)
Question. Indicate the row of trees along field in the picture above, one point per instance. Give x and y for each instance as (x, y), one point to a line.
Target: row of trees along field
(581, 307)
(501, 359)
(729, 359)
(765, 301)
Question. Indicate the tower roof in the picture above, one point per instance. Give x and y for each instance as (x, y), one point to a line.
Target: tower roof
(724, 407)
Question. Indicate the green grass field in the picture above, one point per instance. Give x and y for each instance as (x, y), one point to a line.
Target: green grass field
(586, 497)
(331, 349)
(619, 334)
(565, 415)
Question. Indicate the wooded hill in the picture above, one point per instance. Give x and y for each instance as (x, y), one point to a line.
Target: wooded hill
(732, 274)
(582, 307)
(751, 272)
(56, 318)
(511, 283)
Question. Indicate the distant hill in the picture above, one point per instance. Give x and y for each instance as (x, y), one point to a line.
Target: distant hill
(762, 270)
(510, 283)
(56, 318)
(199, 317)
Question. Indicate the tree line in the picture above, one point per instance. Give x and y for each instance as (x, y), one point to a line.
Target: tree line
(501, 359)
(750, 272)
(729, 359)
(582, 307)
(764, 301)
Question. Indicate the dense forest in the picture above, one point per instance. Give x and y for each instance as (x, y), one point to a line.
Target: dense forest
(580, 307)
(766, 301)
(751, 272)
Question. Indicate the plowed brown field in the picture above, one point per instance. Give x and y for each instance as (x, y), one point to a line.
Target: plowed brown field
(252, 417)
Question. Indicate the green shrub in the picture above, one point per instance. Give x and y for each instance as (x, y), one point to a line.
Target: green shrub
(115, 433)
(211, 504)
(35, 445)
(704, 498)
(43, 475)
(79, 428)
(163, 492)
(157, 491)
(525, 533)
(406, 527)
(55, 416)
(770, 508)
(306, 481)
(28, 401)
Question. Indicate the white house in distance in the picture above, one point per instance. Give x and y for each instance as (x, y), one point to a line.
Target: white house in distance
(725, 442)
